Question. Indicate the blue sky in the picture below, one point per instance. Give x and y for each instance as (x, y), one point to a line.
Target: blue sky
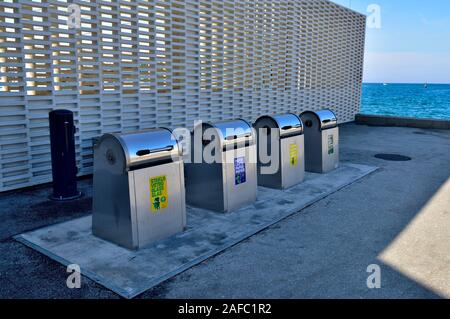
(413, 43)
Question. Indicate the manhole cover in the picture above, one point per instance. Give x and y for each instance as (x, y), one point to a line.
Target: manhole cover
(393, 157)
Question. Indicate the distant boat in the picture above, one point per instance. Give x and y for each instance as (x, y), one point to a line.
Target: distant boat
(385, 84)
(425, 85)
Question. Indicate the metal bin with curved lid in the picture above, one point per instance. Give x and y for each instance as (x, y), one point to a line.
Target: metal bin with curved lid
(221, 175)
(139, 194)
(321, 141)
(281, 161)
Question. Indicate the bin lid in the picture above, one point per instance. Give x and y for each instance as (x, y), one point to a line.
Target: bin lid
(288, 124)
(326, 118)
(236, 132)
(144, 147)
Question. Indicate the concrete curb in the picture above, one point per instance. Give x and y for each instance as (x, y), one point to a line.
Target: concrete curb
(377, 120)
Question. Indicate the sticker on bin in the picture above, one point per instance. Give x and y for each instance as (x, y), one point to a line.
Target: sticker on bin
(330, 144)
(293, 154)
(239, 171)
(158, 193)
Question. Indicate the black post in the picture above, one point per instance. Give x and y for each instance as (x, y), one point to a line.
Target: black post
(64, 169)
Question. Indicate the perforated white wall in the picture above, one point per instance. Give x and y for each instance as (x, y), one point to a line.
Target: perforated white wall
(137, 64)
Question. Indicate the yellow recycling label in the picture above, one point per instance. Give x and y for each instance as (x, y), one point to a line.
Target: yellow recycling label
(158, 193)
(293, 154)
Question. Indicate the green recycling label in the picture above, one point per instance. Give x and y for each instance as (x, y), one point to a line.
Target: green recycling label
(159, 199)
(330, 144)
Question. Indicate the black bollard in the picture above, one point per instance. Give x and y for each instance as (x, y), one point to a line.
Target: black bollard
(64, 169)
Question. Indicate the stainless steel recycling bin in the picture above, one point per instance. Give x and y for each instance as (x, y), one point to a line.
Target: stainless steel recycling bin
(287, 162)
(139, 194)
(228, 181)
(321, 141)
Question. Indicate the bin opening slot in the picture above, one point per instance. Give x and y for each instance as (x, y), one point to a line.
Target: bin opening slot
(236, 146)
(148, 152)
(235, 137)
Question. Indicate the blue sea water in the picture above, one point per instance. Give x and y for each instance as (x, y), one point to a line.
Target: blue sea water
(407, 100)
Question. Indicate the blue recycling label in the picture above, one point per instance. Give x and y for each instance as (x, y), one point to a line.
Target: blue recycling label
(239, 171)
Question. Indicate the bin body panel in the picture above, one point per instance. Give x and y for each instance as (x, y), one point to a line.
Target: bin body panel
(286, 134)
(267, 175)
(313, 151)
(213, 185)
(292, 161)
(205, 186)
(240, 181)
(122, 198)
(113, 217)
(330, 149)
(154, 224)
(321, 141)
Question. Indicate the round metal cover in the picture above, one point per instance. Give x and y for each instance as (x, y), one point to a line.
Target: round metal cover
(393, 157)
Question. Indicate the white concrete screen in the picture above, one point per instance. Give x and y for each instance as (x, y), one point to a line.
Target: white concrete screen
(140, 64)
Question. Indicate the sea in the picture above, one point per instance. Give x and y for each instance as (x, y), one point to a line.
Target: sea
(407, 100)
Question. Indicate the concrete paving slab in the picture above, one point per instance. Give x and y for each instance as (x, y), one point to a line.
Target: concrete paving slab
(130, 273)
